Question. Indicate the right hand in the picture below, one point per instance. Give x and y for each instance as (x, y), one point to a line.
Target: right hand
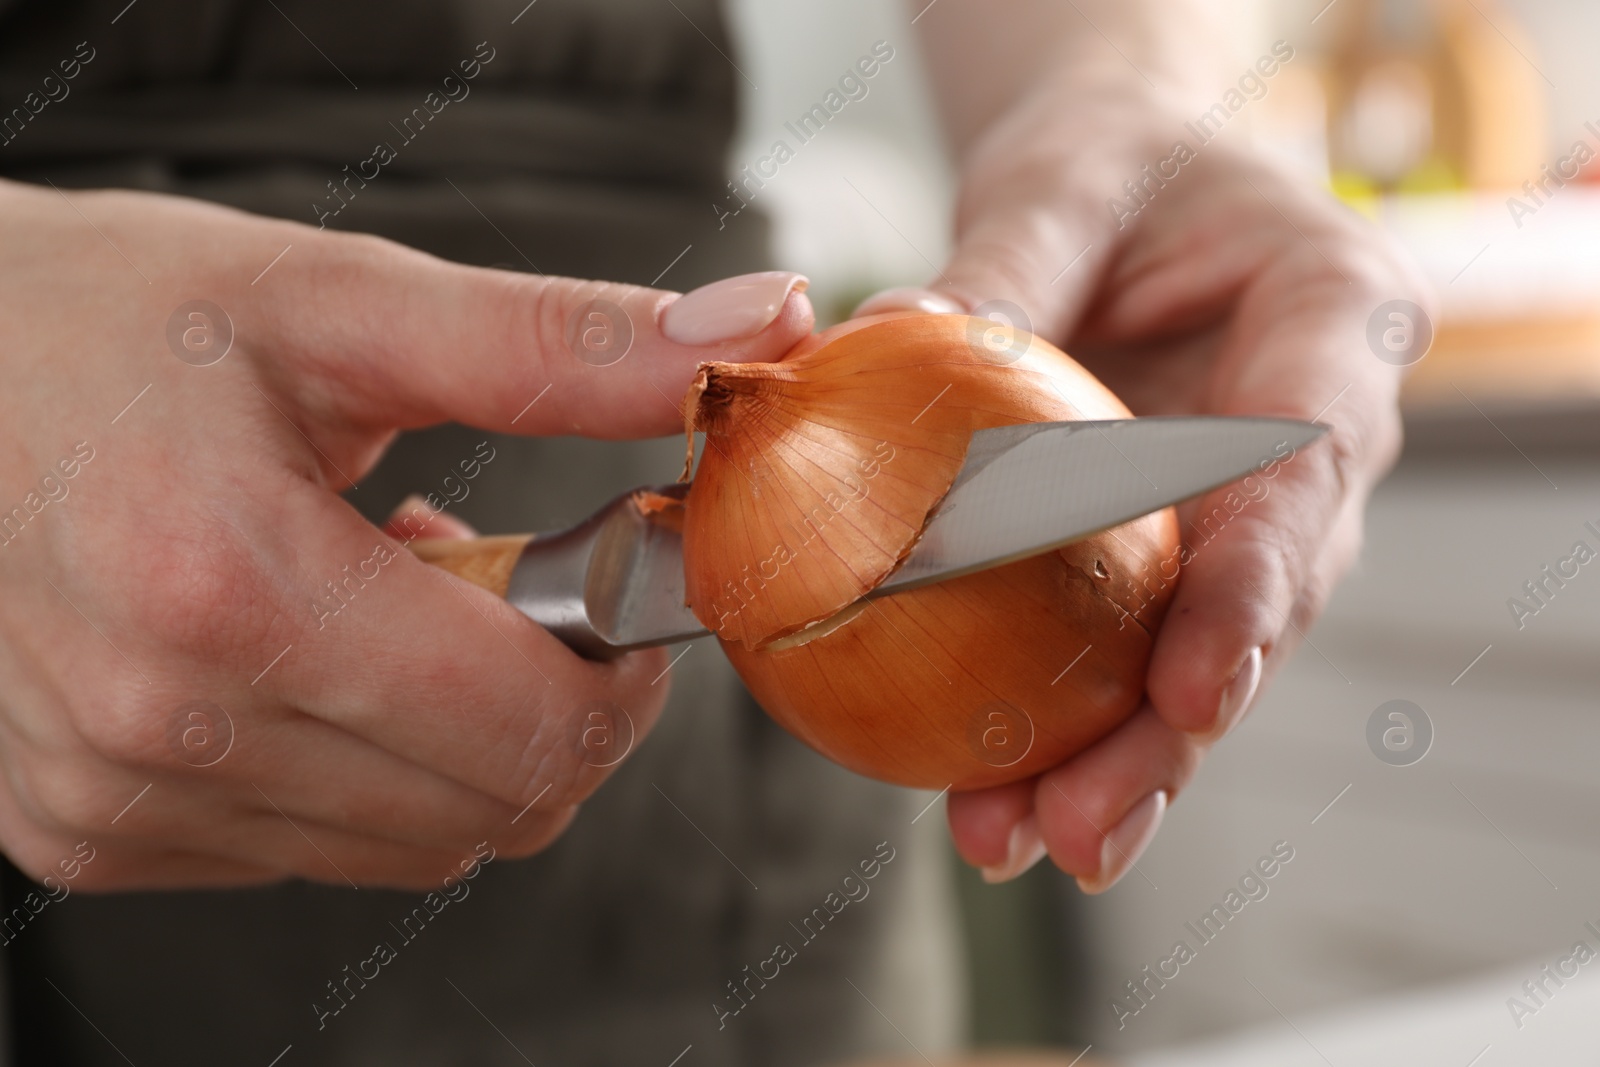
(378, 745)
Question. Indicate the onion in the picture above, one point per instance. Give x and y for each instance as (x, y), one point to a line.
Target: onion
(818, 475)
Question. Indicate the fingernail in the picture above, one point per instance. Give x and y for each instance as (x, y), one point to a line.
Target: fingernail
(413, 509)
(416, 519)
(1237, 696)
(731, 309)
(1126, 842)
(924, 300)
(1025, 849)
(412, 504)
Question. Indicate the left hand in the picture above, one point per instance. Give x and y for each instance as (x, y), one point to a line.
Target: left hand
(1236, 289)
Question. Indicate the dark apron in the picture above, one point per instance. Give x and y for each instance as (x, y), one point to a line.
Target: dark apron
(594, 141)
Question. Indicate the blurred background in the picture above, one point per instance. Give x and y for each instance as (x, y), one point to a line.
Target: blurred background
(1437, 872)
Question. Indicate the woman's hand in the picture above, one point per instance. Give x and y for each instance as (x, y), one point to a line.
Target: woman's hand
(1231, 289)
(211, 668)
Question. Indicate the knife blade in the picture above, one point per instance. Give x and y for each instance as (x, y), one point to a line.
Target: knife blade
(1027, 489)
(615, 582)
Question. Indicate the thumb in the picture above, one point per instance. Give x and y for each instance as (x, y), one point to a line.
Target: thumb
(1016, 260)
(371, 336)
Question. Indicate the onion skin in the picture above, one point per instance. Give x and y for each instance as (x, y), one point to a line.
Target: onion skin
(965, 683)
(899, 691)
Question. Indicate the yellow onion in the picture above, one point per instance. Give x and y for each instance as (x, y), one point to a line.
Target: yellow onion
(817, 477)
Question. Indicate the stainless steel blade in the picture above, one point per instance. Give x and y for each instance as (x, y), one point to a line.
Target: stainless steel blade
(1023, 490)
(1027, 489)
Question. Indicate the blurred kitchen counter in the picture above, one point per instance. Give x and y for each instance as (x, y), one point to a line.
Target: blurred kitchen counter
(1436, 1025)
(1518, 313)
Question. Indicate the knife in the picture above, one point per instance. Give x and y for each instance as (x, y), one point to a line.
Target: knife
(614, 582)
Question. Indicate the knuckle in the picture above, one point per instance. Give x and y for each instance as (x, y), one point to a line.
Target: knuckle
(550, 770)
(366, 246)
(194, 593)
(1341, 461)
(1277, 557)
(1340, 552)
(59, 795)
(570, 321)
(1357, 452)
(129, 733)
(1312, 599)
(1341, 466)
(543, 313)
(343, 251)
(575, 745)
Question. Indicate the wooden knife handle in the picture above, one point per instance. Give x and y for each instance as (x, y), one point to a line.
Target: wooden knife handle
(484, 561)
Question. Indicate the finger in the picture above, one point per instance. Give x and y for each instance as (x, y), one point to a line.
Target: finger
(318, 611)
(1251, 572)
(414, 519)
(381, 336)
(922, 301)
(1040, 247)
(92, 860)
(324, 775)
(270, 838)
(60, 799)
(439, 672)
(1299, 294)
(307, 770)
(1099, 811)
(315, 851)
(301, 848)
(983, 826)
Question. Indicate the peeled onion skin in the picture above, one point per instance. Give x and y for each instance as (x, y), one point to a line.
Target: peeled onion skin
(980, 680)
